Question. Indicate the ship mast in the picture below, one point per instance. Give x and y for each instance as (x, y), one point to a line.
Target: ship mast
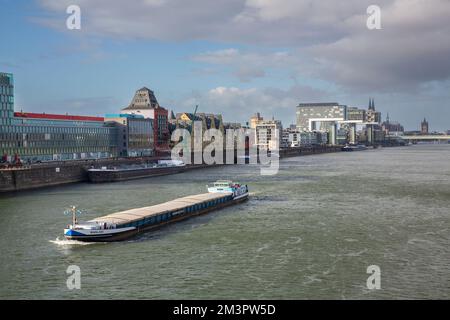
(74, 219)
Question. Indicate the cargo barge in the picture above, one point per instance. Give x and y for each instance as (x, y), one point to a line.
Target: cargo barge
(122, 225)
(350, 148)
(163, 167)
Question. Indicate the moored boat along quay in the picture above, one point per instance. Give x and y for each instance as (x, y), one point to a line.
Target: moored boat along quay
(58, 173)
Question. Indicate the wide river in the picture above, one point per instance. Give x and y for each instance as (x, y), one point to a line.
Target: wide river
(311, 231)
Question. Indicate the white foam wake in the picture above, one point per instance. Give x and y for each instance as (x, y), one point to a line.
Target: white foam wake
(65, 242)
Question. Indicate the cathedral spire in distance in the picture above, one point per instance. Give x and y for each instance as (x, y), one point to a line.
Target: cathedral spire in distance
(371, 104)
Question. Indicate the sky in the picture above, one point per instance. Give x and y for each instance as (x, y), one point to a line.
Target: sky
(234, 57)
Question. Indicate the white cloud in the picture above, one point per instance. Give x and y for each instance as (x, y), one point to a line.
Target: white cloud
(237, 104)
(331, 36)
(248, 65)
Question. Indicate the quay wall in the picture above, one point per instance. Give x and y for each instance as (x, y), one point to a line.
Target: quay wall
(58, 173)
(54, 173)
(303, 151)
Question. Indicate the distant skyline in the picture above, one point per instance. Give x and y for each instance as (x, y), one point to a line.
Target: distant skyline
(234, 57)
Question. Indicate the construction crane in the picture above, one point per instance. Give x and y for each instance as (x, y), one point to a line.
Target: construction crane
(193, 117)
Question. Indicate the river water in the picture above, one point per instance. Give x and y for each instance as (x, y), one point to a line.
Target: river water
(308, 232)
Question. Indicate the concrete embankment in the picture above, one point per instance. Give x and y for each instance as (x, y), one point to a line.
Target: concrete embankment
(57, 173)
(38, 176)
(303, 151)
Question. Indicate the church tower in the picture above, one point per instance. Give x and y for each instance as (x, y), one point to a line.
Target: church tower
(424, 126)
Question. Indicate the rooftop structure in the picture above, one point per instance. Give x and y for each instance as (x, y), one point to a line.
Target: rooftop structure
(144, 103)
(144, 98)
(49, 116)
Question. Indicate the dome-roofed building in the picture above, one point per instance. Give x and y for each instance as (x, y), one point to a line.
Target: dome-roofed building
(144, 103)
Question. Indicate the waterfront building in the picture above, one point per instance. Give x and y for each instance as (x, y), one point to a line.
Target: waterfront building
(44, 137)
(319, 116)
(373, 116)
(342, 135)
(306, 138)
(254, 120)
(232, 126)
(235, 127)
(392, 128)
(374, 132)
(186, 120)
(134, 134)
(339, 121)
(268, 134)
(6, 98)
(356, 114)
(285, 143)
(144, 103)
(322, 117)
(424, 127)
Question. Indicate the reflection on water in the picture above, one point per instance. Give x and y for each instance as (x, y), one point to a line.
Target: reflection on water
(311, 231)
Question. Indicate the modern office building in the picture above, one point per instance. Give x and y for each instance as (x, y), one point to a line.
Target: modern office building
(319, 116)
(44, 137)
(134, 134)
(144, 103)
(340, 121)
(297, 138)
(268, 134)
(6, 98)
(356, 114)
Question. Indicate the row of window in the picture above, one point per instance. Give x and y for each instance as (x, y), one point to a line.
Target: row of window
(56, 129)
(6, 106)
(50, 151)
(53, 137)
(6, 98)
(6, 90)
(64, 156)
(53, 144)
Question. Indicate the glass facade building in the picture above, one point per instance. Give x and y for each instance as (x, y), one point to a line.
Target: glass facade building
(38, 137)
(6, 98)
(308, 114)
(43, 137)
(135, 134)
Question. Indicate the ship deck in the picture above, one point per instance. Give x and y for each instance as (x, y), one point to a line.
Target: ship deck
(132, 215)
